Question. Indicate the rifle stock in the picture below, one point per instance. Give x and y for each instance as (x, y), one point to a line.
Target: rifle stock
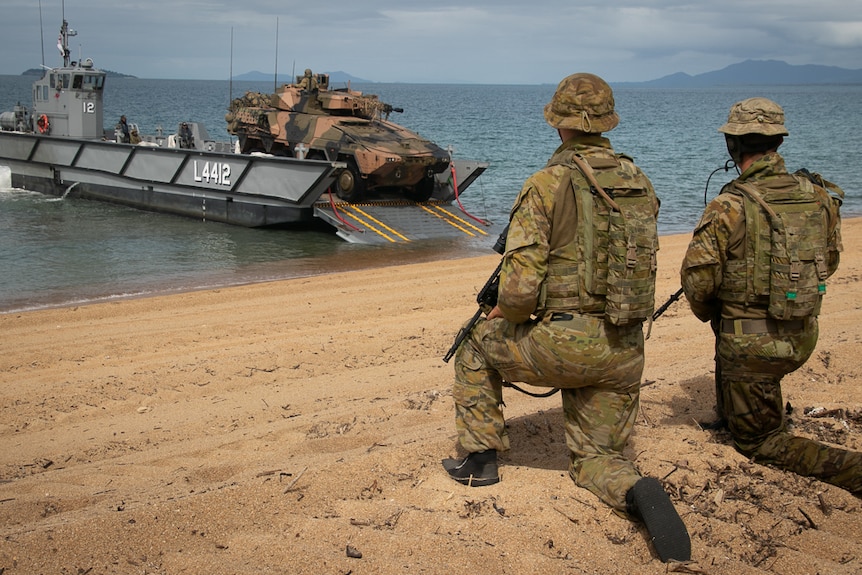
(462, 335)
(667, 304)
(486, 298)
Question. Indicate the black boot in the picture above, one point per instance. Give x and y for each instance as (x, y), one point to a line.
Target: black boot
(717, 425)
(647, 501)
(475, 470)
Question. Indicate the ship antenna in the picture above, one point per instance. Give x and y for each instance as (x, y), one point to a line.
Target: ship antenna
(63, 44)
(63, 40)
(42, 34)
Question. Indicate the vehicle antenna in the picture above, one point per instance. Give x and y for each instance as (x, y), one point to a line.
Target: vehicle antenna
(275, 78)
(230, 72)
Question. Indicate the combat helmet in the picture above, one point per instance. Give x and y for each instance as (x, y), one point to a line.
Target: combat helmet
(582, 102)
(755, 116)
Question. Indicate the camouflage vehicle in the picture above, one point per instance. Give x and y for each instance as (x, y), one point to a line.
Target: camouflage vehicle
(307, 119)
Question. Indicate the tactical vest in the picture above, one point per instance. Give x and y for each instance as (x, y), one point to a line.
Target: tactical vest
(610, 267)
(785, 266)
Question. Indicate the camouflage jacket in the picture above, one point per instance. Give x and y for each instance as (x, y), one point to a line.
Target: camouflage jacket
(535, 239)
(720, 236)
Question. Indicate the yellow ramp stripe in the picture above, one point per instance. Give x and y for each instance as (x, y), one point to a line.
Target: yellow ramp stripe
(378, 222)
(452, 220)
(366, 224)
(462, 220)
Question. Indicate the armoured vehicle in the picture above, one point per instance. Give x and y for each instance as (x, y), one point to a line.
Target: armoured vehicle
(308, 119)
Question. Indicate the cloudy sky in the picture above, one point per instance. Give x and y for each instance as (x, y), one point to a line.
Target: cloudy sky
(472, 41)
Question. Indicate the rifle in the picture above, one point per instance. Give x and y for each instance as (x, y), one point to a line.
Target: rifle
(486, 298)
(667, 304)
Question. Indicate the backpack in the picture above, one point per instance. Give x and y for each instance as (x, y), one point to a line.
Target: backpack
(787, 235)
(620, 238)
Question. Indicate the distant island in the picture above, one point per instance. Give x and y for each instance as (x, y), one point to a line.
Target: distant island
(109, 73)
(757, 73)
(747, 73)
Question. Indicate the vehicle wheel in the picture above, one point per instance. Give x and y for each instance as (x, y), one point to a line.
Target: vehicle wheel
(422, 191)
(348, 185)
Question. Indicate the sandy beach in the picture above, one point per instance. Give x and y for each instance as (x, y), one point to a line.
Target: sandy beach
(298, 427)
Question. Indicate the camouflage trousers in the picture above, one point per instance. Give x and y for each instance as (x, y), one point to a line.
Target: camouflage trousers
(598, 368)
(749, 369)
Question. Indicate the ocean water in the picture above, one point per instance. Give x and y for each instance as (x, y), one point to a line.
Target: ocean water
(61, 252)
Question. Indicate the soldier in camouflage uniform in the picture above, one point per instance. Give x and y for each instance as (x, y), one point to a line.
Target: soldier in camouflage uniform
(549, 327)
(756, 269)
(308, 82)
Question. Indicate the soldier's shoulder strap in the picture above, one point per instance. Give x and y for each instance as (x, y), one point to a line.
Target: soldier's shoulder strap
(587, 170)
(832, 189)
(751, 193)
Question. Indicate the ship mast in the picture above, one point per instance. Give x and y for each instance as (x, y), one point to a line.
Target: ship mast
(63, 42)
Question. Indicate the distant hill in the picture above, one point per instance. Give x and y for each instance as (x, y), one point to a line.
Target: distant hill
(109, 73)
(760, 73)
(335, 78)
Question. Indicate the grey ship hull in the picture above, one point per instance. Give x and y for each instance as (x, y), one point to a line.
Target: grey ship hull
(243, 190)
(237, 189)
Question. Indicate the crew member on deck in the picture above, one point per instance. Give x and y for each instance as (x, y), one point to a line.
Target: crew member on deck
(123, 130)
(187, 140)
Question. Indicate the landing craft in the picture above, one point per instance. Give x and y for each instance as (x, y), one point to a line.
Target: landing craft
(60, 147)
